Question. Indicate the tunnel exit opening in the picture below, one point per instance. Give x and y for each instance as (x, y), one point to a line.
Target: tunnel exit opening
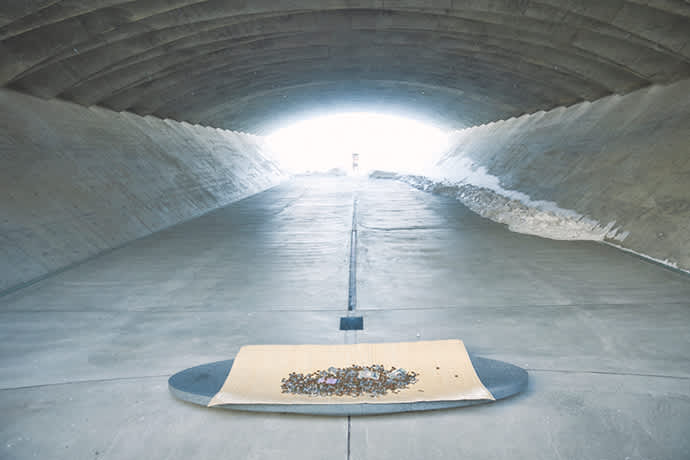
(358, 143)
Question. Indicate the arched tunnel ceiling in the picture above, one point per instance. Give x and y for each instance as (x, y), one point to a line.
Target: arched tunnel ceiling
(245, 65)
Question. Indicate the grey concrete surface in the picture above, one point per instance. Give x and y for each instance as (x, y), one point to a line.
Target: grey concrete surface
(622, 159)
(75, 181)
(423, 250)
(603, 335)
(562, 416)
(279, 258)
(137, 418)
(85, 354)
(246, 65)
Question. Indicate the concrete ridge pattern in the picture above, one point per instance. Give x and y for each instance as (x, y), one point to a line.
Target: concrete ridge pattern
(245, 66)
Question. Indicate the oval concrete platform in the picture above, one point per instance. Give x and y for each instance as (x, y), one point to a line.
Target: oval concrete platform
(199, 384)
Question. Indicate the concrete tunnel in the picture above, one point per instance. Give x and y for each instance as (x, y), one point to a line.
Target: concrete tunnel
(146, 226)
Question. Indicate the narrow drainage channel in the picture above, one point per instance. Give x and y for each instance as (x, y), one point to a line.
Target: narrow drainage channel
(349, 430)
(349, 322)
(352, 287)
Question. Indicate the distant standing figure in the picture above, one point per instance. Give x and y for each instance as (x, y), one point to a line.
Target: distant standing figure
(355, 162)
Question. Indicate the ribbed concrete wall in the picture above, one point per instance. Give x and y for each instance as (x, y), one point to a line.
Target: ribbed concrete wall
(250, 64)
(621, 158)
(77, 181)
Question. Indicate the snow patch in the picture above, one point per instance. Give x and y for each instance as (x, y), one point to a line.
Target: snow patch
(483, 194)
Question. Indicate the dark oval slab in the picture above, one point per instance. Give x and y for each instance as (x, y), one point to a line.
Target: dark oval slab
(199, 384)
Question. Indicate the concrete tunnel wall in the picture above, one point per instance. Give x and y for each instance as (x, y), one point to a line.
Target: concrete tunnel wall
(77, 181)
(616, 169)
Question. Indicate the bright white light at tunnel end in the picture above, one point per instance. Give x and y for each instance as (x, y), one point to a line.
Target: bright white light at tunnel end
(383, 141)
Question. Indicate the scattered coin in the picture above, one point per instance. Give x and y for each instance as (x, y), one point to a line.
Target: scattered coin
(374, 380)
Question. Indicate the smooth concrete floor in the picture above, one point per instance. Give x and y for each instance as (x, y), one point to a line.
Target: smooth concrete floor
(85, 354)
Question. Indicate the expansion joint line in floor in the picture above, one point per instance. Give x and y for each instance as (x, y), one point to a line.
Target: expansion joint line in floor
(352, 295)
(352, 285)
(351, 322)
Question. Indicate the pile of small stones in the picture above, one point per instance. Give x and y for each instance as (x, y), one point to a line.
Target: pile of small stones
(374, 380)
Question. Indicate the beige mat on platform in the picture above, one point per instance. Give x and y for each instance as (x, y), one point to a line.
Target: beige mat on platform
(445, 372)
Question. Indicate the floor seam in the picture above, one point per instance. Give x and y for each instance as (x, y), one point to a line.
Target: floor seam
(76, 382)
(114, 312)
(573, 305)
(352, 284)
(367, 309)
(629, 374)
(352, 297)
(349, 436)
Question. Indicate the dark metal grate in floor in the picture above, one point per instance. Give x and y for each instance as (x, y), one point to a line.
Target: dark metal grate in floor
(351, 323)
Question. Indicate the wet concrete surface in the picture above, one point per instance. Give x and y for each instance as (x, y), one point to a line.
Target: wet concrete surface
(85, 354)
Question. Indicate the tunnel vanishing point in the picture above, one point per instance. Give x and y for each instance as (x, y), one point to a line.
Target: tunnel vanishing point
(146, 226)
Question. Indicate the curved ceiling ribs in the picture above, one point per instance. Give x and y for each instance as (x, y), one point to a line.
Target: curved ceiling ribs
(243, 64)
